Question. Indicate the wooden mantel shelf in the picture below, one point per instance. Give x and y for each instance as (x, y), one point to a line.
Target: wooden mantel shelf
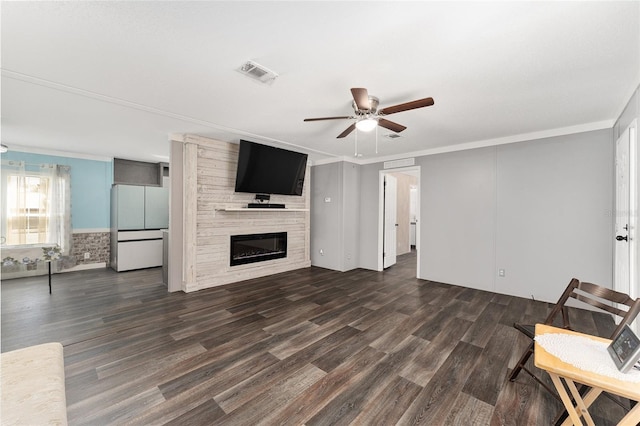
(246, 209)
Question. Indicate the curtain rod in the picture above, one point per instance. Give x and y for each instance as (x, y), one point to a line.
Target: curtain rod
(17, 163)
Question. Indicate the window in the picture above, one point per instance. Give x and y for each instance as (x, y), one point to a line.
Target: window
(36, 204)
(27, 207)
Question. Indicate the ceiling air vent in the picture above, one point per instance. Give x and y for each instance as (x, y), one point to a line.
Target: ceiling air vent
(258, 72)
(392, 135)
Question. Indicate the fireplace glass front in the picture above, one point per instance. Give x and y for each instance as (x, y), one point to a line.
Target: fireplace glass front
(257, 247)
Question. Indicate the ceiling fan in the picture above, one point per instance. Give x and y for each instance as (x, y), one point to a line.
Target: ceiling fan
(368, 116)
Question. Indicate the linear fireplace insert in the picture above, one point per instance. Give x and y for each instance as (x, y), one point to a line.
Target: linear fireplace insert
(257, 247)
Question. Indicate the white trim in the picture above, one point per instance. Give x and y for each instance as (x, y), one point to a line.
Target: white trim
(633, 206)
(524, 137)
(141, 107)
(90, 230)
(66, 154)
(335, 160)
(380, 251)
(85, 266)
(381, 173)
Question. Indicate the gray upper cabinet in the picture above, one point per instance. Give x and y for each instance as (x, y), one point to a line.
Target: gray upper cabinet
(140, 207)
(156, 207)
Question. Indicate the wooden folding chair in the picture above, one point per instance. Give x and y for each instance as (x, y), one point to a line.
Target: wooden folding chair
(601, 298)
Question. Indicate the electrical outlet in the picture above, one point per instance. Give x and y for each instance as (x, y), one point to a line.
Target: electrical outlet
(501, 272)
(87, 255)
(321, 252)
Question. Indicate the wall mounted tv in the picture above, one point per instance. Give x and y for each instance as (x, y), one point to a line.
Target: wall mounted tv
(264, 169)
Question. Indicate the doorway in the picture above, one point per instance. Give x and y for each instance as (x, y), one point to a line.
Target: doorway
(399, 216)
(625, 245)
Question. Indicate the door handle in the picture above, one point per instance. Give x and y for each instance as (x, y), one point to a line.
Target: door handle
(621, 238)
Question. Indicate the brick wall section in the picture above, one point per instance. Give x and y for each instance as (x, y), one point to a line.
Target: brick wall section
(96, 243)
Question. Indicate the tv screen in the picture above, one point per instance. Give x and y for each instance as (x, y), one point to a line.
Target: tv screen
(265, 169)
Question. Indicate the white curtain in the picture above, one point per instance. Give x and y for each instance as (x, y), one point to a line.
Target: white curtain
(59, 207)
(13, 218)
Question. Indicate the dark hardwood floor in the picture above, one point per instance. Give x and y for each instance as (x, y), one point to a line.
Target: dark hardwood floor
(312, 346)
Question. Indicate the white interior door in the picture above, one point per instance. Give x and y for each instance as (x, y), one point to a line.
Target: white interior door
(390, 220)
(625, 221)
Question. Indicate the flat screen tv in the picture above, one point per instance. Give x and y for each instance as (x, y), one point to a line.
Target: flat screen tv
(264, 169)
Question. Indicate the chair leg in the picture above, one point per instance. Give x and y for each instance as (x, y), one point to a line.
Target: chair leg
(548, 388)
(523, 360)
(521, 366)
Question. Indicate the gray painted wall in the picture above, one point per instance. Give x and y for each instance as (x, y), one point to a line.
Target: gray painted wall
(457, 211)
(554, 220)
(538, 209)
(351, 215)
(369, 207)
(335, 224)
(326, 217)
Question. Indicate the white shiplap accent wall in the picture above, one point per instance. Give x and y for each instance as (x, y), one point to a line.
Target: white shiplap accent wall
(209, 180)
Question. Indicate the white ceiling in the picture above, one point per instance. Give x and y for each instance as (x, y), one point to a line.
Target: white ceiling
(114, 79)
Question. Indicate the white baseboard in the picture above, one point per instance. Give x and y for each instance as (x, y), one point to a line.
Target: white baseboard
(86, 266)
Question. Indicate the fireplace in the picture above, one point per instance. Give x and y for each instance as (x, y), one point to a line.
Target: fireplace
(257, 247)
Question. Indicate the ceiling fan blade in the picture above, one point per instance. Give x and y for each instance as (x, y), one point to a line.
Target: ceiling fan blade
(361, 96)
(394, 127)
(327, 118)
(420, 103)
(346, 132)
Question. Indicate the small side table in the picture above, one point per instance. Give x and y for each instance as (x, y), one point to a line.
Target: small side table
(559, 370)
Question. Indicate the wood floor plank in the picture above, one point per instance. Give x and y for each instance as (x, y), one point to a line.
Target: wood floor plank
(469, 411)
(388, 406)
(490, 372)
(238, 395)
(422, 369)
(345, 407)
(317, 396)
(510, 408)
(484, 326)
(261, 409)
(434, 403)
(311, 346)
(207, 412)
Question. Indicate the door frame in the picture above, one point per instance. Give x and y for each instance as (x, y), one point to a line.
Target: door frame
(390, 248)
(381, 175)
(634, 286)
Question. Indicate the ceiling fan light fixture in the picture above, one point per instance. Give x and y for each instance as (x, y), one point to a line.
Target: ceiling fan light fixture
(366, 124)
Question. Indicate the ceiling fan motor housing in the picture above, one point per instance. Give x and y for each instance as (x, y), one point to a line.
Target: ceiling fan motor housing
(373, 108)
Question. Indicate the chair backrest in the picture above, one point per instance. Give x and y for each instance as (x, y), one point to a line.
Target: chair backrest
(604, 299)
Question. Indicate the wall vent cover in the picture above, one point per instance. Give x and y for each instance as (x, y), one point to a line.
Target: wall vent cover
(258, 72)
